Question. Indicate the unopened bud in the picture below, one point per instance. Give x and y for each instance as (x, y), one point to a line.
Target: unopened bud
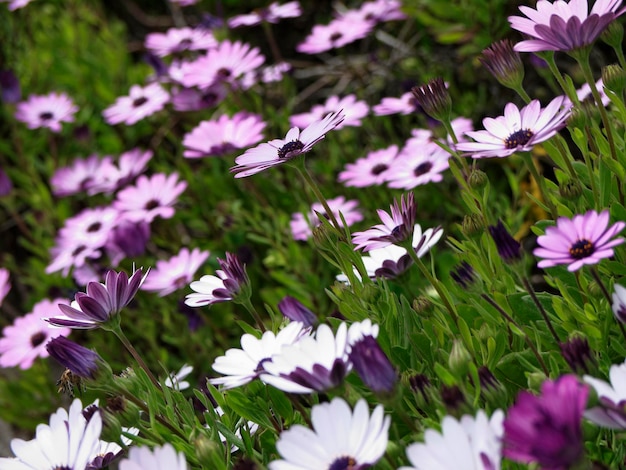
(613, 34)
(614, 78)
(504, 63)
(459, 359)
(473, 225)
(434, 99)
(571, 189)
(422, 305)
(478, 179)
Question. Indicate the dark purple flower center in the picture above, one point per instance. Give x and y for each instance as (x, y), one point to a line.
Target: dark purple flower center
(94, 227)
(581, 249)
(140, 101)
(185, 43)
(78, 250)
(46, 116)
(209, 98)
(290, 149)
(335, 37)
(37, 339)
(63, 467)
(151, 204)
(180, 281)
(518, 139)
(343, 463)
(422, 168)
(224, 73)
(378, 169)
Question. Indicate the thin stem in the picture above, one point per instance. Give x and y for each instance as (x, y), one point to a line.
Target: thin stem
(620, 57)
(520, 91)
(607, 296)
(528, 159)
(510, 319)
(269, 34)
(133, 352)
(549, 58)
(141, 404)
(257, 318)
(296, 402)
(543, 312)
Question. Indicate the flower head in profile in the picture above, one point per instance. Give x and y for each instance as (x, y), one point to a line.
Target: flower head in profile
(177, 380)
(82, 362)
(341, 438)
(397, 226)
(370, 170)
(223, 135)
(141, 102)
(279, 151)
(348, 28)
(518, 130)
(619, 303)
(271, 14)
(301, 224)
(611, 411)
(159, 458)
(563, 26)
(293, 309)
(230, 283)
(25, 339)
(69, 442)
(176, 40)
(82, 175)
(473, 443)
(101, 303)
(352, 109)
(585, 239)
(547, 429)
(175, 273)
(46, 111)
(406, 104)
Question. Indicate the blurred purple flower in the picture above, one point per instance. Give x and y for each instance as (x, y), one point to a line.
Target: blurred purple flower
(406, 104)
(352, 110)
(83, 175)
(46, 111)
(368, 359)
(130, 238)
(295, 311)
(6, 186)
(141, 102)
(190, 99)
(174, 273)
(418, 163)
(5, 284)
(348, 28)
(271, 14)
(370, 170)
(301, 224)
(176, 40)
(10, 90)
(610, 412)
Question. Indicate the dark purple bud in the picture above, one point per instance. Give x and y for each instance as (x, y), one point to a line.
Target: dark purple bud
(81, 361)
(160, 69)
(463, 275)
(452, 397)
(132, 237)
(5, 183)
(295, 311)
(9, 87)
(577, 354)
(419, 383)
(509, 249)
(488, 381)
(372, 365)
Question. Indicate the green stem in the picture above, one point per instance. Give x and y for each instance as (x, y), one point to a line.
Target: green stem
(549, 58)
(133, 352)
(130, 397)
(543, 312)
(528, 159)
(520, 91)
(620, 57)
(257, 318)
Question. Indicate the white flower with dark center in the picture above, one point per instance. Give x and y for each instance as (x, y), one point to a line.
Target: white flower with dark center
(341, 439)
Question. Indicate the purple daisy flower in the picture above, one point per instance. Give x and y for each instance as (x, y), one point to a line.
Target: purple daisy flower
(10, 90)
(277, 151)
(518, 130)
(301, 224)
(406, 104)
(547, 429)
(348, 28)
(83, 175)
(382, 10)
(174, 273)
(16, 4)
(101, 302)
(224, 135)
(585, 239)
(397, 226)
(271, 14)
(563, 26)
(231, 281)
(370, 170)
(352, 109)
(5, 285)
(140, 103)
(129, 165)
(176, 40)
(25, 340)
(268, 74)
(46, 111)
(150, 197)
(417, 164)
(226, 62)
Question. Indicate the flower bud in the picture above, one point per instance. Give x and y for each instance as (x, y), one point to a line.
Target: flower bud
(295, 311)
(577, 354)
(570, 189)
(459, 359)
(473, 225)
(508, 247)
(504, 63)
(422, 305)
(613, 34)
(614, 78)
(477, 179)
(434, 99)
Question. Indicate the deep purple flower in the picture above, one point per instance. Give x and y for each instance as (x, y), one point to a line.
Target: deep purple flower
(130, 238)
(547, 429)
(585, 239)
(295, 311)
(190, 99)
(563, 26)
(368, 358)
(79, 360)
(577, 354)
(464, 275)
(9, 87)
(231, 282)
(508, 247)
(6, 186)
(102, 302)
(46, 111)
(503, 63)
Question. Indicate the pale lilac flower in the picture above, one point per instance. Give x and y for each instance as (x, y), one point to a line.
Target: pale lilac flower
(301, 224)
(416, 165)
(240, 366)
(140, 103)
(278, 151)
(69, 442)
(101, 302)
(174, 273)
(310, 364)
(226, 62)
(224, 135)
(190, 99)
(176, 40)
(129, 165)
(610, 413)
(46, 111)
(83, 175)
(406, 104)
(177, 380)
(268, 74)
(16, 4)
(5, 285)
(584, 92)
(25, 339)
(382, 10)
(271, 14)
(348, 28)
(184, 3)
(150, 197)
(352, 109)
(340, 438)
(563, 26)
(397, 226)
(585, 239)
(370, 170)
(518, 130)
(619, 303)
(468, 444)
(231, 281)
(159, 458)
(460, 126)
(547, 429)
(69, 252)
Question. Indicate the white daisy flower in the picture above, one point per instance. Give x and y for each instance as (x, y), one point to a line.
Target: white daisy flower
(160, 458)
